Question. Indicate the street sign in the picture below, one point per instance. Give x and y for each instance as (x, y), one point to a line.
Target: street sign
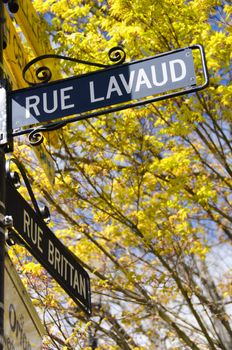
(22, 326)
(9, 75)
(115, 85)
(61, 263)
(35, 31)
(33, 27)
(14, 54)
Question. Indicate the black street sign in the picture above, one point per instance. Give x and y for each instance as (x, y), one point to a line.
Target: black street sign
(62, 264)
(133, 81)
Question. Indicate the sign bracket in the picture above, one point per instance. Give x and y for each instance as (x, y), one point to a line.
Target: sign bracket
(43, 212)
(116, 55)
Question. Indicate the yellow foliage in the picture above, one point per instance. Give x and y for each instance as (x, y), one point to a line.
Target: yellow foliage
(33, 268)
(141, 194)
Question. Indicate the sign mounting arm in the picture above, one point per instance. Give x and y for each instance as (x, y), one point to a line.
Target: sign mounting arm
(116, 55)
(42, 212)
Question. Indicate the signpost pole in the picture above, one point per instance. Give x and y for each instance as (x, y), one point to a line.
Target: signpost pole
(2, 243)
(2, 193)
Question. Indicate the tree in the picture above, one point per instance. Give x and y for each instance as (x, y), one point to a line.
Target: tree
(142, 197)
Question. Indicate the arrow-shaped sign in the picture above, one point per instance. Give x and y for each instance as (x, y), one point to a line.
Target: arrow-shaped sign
(61, 263)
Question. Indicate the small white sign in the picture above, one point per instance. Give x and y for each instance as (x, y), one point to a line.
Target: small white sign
(3, 127)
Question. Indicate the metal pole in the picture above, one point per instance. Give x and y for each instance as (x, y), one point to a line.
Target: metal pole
(2, 243)
(2, 196)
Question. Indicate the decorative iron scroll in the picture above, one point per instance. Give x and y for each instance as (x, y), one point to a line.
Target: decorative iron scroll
(35, 136)
(43, 74)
